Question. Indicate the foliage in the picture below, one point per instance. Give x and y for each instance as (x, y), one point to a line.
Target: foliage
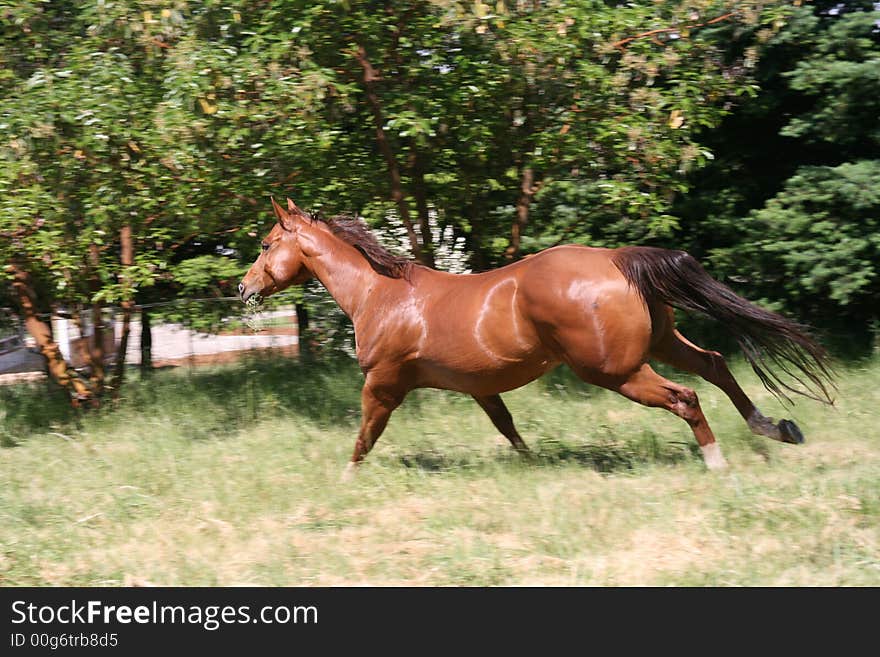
(81, 91)
(788, 210)
(179, 120)
(498, 128)
(840, 75)
(823, 230)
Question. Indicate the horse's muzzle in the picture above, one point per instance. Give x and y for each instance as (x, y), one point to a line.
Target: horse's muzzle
(243, 293)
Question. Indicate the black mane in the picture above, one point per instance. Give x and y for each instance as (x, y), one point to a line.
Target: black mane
(352, 230)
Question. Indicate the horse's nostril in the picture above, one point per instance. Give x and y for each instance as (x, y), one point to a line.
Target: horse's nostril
(240, 289)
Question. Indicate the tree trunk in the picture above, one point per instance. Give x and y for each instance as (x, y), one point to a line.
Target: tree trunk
(477, 258)
(302, 324)
(522, 213)
(95, 348)
(397, 193)
(56, 366)
(126, 259)
(146, 343)
(421, 196)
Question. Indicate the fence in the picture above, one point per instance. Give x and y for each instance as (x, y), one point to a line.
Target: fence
(176, 343)
(11, 343)
(184, 332)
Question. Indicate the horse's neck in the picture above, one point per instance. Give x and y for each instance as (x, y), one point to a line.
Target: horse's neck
(345, 273)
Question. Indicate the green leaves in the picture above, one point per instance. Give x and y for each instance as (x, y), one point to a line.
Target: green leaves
(204, 275)
(824, 232)
(181, 120)
(841, 75)
(788, 211)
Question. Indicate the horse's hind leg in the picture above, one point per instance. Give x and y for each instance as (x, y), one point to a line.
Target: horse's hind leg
(681, 353)
(501, 418)
(649, 388)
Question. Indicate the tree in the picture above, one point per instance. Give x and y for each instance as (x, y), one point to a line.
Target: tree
(96, 194)
(798, 228)
(73, 180)
(144, 140)
(496, 116)
(820, 241)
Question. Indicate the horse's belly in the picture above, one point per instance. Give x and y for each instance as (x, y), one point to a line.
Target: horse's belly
(481, 377)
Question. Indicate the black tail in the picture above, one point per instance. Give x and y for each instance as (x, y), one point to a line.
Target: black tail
(767, 339)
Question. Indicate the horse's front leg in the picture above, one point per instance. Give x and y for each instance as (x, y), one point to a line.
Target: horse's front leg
(378, 401)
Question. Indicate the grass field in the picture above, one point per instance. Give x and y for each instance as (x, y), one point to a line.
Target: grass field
(230, 476)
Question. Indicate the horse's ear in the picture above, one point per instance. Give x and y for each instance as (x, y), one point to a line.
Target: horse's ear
(284, 217)
(291, 207)
(279, 211)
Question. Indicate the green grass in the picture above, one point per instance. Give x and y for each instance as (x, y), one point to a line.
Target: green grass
(230, 476)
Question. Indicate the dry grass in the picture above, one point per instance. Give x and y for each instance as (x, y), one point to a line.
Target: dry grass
(231, 477)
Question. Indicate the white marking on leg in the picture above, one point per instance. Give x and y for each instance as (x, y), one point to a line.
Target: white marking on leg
(712, 456)
(763, 426)
(349, 472)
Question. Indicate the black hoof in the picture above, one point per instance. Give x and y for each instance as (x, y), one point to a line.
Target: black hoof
(790, 432)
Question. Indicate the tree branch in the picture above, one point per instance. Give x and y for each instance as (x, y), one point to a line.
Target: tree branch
(57, 367)
(126, 259)
(527, 191)
(397, 195)
(622, 42)
(420, 193)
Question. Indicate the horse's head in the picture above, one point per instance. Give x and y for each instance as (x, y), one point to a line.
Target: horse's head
(280, 263)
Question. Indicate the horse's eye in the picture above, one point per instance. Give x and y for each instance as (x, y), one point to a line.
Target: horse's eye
(264, 246)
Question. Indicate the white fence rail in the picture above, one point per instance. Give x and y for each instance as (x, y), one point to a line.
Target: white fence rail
(171, 343)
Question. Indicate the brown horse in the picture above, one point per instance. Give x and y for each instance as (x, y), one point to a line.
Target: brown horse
(602, 312)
